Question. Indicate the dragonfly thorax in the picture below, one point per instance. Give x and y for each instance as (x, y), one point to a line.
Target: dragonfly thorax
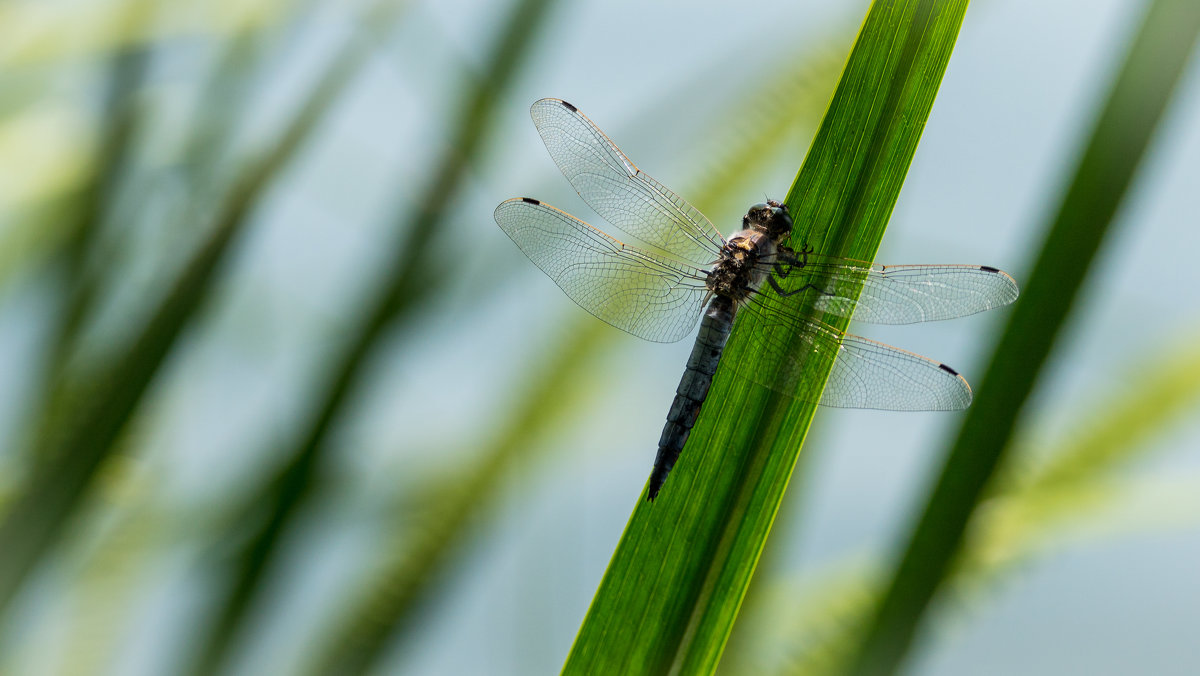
(738, 272)
(748, 254)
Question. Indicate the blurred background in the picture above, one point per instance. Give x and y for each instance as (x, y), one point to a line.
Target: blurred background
(279, 396)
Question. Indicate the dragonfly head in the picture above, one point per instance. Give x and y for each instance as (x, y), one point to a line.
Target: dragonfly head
(771, 219)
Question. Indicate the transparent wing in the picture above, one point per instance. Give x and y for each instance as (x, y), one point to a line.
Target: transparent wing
(636, 291)
(866, 374)
(898, 294)
(621, 193)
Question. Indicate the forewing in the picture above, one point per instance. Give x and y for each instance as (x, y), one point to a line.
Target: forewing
(865, 374)
(636, 291)
(620, 192)
(900, 294)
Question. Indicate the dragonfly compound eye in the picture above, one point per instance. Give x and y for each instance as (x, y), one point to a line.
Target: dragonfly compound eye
(780, 223)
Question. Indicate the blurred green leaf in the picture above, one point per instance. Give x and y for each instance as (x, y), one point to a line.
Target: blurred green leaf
(98, 28)
(66, 162)
(1085, 473)
(806, 625)
(410, 275)
(1114, 430)
(105, 401)
(110, 576)
(42, 510)
(386, 607)
(810, 628)
(1079, 483)
(673, 587)
(45, 151)
(751, 136)
(94, 205)
(1121, 135)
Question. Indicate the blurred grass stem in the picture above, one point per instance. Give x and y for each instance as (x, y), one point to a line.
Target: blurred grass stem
(410, 274)
(1118, 142)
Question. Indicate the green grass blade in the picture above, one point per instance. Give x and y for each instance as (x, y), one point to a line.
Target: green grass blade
(673, 587)
(1118, 142)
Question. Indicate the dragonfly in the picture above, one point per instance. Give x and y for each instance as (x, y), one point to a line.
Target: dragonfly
(686, 273)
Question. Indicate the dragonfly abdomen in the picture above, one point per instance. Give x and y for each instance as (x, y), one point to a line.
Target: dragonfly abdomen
(693, 389)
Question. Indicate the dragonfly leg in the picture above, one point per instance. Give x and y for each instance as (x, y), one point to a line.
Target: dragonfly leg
(788, 260)
(779, 289)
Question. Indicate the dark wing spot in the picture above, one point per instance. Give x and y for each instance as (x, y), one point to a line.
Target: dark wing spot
(570, 107)
(988, 268)
(947, 369)
(530, 200)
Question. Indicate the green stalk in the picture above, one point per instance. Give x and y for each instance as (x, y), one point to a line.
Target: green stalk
(674, 585)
